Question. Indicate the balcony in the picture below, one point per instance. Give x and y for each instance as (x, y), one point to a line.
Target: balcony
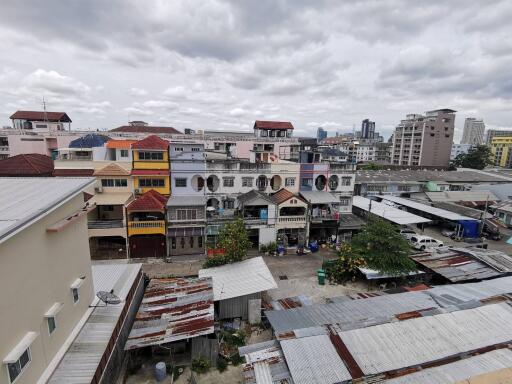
(104, 228)
(325, 217)
(291, 221)
(150, 227)
(4, 148)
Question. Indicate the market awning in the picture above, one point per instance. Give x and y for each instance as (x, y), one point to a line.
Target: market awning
(319, 197)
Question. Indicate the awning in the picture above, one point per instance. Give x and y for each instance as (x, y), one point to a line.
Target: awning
(149, 172)
(116, 198)
(19, 349)
(319, 197)
(185, 231)
(54, 309)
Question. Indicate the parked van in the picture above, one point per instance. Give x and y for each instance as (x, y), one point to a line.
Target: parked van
(424, 242)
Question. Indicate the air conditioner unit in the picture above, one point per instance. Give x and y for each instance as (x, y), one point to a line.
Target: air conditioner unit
(138, 191)
(98, 189)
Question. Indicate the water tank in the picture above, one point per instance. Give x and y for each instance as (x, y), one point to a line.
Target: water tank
(160, 371)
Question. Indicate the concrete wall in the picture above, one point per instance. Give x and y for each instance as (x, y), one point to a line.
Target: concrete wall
(36, 271)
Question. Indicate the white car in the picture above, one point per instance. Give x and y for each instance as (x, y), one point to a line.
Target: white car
(407, 233)
(424, 242)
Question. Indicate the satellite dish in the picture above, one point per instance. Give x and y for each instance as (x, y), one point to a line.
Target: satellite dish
(108, 297)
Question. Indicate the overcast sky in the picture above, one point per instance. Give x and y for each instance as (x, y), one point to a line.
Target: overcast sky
(221, 64)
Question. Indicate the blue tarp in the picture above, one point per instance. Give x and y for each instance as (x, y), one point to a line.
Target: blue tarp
(89, 141)
(470, 227)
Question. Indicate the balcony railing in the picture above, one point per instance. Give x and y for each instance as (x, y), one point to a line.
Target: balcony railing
(149, 227)
(292, 219)
(4, 148)
(105, 224)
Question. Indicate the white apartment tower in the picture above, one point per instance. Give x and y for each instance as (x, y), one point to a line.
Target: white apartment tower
(473, 131)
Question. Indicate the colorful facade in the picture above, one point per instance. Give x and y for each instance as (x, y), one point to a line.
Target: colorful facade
(150, 171)
(501, 149)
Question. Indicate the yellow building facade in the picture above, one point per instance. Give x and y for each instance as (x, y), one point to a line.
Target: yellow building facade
(150, 170)
(501, 150)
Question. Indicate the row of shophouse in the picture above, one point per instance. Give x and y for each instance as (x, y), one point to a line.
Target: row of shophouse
(162, 198)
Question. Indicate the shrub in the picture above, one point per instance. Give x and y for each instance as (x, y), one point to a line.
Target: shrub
(236, 359)
(200, 365)
(222, 364)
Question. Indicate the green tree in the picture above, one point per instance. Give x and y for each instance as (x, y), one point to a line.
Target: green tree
(234, 241)
(383, 248)
(477, 157)
(345, 267)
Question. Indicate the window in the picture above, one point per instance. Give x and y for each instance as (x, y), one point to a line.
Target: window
(289, 182)
(107, 208)
(191, 241)
(345, 201)
(346, 181)
(200, 242)
(432, 134)
(181, 182)
(196, 149)
(51, 324)
(307, 182)
(404, 188)
(155, 156)
(247, 181)
(111, 183)
(151, 183)
(263, 133)
(76, 295)
(228, 181)
(182, 242)
(186, 214)
(41, 126)
(229, 204)
(178, 149)
(15, 369)
(123, 153)
(173, 242)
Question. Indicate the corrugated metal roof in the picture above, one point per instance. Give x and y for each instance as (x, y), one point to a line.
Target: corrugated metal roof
(240, 279)
(262, 373)
(454, 265)
(314, 360)
(403, 344)
(182, 201)
(498, 260)
(455, 294)
(81, 360)
(459, 370)
(23, 200)
(462, 196)
(387, 212)
(173, 309)
(269, 353)
(319, 197)
(352, 314)
(427, 208)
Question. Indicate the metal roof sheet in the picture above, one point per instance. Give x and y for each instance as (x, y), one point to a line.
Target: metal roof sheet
(459, 370)
(454, 265)
(387, 212)
(182, 201)
(462, 196)
(240, 279)
(314, 360)
(116, 198)
(351, 314)
(265, 357)
(25, 200)
(403, 344)
(427, 208)
(80, 361)
(319, 197)
(173, 309)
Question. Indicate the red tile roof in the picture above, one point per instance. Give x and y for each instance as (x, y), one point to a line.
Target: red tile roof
(112, 169)
(259, 124)
(41, 116)
(151, 142)
(149, 201)
(145, 129)
(73, 172)
(283, 195)
(120, 144)
(30, 164)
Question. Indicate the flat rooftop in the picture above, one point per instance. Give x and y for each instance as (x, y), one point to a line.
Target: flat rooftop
(24, 200)
(424, 176)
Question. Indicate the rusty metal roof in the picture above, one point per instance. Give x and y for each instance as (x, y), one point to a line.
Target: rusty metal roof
(173, 309)
(457, 265)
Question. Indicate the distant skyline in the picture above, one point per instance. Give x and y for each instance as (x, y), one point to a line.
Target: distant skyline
(223, 64)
